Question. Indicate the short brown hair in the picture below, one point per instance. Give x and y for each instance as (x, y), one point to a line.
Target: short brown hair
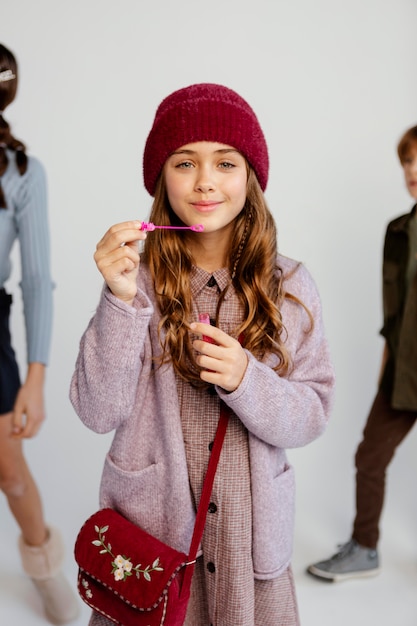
(407, 142)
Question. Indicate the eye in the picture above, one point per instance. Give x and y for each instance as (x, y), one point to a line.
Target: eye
(184, 165)
(226, 165)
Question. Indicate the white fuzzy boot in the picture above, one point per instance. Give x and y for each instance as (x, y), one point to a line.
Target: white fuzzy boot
(43, 565)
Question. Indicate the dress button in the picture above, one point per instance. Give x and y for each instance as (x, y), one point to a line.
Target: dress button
(211, 568)
(210, 446)
(212, 508)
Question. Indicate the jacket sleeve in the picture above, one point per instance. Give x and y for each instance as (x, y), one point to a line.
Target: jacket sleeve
(104, 384)
(292, 410)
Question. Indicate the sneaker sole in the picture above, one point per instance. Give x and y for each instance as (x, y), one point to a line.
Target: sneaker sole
(331, 577)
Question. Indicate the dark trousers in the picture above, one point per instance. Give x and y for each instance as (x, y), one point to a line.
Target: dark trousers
(384, 431)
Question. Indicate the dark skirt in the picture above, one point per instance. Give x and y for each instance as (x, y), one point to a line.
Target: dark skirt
(9, 371)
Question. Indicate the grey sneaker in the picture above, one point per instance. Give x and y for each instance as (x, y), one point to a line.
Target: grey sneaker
(351, 561)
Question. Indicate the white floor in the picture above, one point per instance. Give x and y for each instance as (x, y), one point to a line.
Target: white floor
(323, 519)
(387, 599)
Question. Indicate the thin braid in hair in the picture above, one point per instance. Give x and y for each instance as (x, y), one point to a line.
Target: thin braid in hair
(242, 242)
(237, 257)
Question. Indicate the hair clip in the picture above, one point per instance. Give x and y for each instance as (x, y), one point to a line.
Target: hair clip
(148, 226)
(6, 75)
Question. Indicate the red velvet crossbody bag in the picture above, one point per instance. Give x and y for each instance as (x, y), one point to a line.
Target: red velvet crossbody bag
(131, 577)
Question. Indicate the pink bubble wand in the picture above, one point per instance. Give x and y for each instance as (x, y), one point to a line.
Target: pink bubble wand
(148, 226)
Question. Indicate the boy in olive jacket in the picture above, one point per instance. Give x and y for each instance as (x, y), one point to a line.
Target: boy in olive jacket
(394, 410)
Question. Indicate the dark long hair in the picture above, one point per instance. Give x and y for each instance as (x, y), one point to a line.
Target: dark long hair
(8, 89)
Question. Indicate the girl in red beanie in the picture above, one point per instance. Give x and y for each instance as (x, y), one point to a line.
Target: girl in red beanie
(144, 371)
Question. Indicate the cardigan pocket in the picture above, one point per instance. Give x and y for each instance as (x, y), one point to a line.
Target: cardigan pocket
(273, 524)
(135, 494)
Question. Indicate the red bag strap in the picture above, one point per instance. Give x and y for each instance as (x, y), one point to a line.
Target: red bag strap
(208, 481)
(202, 510)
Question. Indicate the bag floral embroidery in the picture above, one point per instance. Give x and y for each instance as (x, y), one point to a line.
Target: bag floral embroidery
(122, 566)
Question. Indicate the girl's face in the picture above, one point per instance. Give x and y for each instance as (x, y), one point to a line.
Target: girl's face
(410, 172)
(206, 184)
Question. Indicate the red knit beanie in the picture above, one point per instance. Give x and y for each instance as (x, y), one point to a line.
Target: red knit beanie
(204, 112)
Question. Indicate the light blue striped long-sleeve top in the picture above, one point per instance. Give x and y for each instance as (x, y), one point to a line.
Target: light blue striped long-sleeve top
(26, 219)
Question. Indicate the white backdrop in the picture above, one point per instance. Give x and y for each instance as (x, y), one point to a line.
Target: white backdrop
(334, 87)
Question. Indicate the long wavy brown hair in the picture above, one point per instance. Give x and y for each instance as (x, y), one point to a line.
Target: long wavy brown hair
(255, 273)
(7, 140)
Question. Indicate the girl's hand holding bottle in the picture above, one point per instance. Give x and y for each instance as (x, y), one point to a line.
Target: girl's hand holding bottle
(224, 361)
(117, 258)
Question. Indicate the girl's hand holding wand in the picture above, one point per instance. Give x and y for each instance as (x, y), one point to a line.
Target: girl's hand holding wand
(117, 258)
(223, 362)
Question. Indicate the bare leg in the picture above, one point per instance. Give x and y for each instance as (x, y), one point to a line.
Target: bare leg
(41, 548)
(18, 486)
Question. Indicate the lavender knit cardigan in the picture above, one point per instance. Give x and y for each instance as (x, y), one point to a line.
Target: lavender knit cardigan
(115, 386)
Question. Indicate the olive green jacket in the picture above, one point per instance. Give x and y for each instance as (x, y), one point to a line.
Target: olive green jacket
(400, 316)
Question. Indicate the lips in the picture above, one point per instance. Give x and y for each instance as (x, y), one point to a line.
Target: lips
(205, 206)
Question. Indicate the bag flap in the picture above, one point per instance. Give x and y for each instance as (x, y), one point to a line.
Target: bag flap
(131, 562)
